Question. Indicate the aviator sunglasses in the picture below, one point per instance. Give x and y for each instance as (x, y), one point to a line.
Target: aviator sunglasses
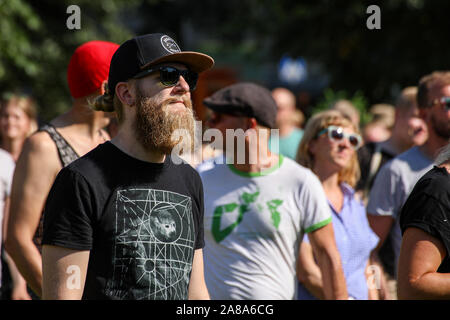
(336, 133)
(169, 76)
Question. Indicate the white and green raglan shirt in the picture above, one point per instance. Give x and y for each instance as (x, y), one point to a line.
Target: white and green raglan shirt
(254, 223)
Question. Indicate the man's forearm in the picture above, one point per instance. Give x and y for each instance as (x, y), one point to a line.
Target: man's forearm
(29, 262)
(431, 285)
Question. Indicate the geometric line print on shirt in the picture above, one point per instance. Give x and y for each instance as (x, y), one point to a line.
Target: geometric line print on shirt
(153, 246)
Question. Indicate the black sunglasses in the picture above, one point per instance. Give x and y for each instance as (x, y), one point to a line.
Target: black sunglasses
(446, 102)
(169, 76)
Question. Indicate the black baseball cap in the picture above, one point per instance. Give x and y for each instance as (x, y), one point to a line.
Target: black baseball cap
(245, 99)
(143, 52)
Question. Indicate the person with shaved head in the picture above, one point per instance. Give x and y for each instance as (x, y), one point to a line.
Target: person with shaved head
(290, 134)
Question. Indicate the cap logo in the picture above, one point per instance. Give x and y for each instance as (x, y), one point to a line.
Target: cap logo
(169, 44)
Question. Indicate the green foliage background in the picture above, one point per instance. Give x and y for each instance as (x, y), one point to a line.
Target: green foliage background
(250, 36)
(358, 100)
(35, 45)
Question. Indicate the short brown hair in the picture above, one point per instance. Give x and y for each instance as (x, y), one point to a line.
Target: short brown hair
(427, 83)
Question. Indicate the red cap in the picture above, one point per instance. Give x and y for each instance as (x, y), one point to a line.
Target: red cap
(89, 67)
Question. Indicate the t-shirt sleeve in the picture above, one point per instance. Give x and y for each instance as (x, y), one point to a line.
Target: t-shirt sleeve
(313, 205)
(198, 211)
(68, 212)
(427, 208)
(7, 173)
(385, 195)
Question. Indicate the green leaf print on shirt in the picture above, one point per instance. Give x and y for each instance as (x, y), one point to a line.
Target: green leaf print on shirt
(275, 215)
(250, 197)
(247, 198)
(218, 234)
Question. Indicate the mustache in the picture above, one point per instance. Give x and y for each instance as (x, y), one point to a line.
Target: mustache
(185, 100)
(156, 123)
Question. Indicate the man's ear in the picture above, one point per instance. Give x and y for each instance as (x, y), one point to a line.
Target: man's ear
(251, 123)
(125, 93)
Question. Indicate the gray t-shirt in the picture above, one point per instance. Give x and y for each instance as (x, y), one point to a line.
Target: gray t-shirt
(7, 166)
(254, 223)
(392, 186)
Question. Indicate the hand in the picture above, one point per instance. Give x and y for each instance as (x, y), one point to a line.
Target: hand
(384, 293)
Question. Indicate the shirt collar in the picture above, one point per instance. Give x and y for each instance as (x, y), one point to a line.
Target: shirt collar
(347, 190)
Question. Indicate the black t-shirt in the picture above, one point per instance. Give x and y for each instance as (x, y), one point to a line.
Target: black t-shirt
(365, 154)
(141, 222)
(428, 208)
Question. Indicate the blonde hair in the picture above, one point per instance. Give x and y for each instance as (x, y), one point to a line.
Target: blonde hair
(318, 122)
(348, 110)
(24, 103)
(108, 103)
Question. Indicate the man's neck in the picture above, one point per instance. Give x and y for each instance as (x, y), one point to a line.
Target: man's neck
(255, 162)
(327, 175)
(397, 142)
(126, 141)
(395, 145)
(431, 147)
(286, 130)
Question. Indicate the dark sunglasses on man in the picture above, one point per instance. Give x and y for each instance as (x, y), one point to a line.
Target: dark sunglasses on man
(445, 101)
(169, 76)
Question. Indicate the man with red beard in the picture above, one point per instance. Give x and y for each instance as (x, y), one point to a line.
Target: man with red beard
(125, 221)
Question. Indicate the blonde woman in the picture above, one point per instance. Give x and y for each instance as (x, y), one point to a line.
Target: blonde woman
(17, 122)
(328, 148)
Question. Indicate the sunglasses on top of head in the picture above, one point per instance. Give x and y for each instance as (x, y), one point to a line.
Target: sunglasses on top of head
(169, 76)
(336, 133)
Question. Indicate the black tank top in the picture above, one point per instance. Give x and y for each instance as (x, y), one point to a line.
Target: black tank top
(66, 155)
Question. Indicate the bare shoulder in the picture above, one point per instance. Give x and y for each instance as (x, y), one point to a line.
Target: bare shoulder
(40, 149)
(40, 142)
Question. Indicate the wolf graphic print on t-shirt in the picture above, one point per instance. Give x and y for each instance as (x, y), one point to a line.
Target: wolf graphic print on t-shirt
(154, 245)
